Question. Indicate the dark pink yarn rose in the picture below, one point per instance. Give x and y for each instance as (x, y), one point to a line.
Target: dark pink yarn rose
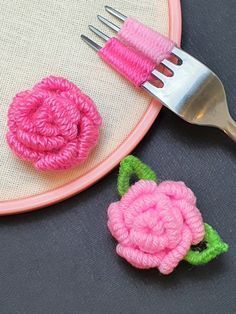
(54, 125)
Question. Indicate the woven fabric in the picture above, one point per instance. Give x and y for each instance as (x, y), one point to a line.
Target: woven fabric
(41, 38)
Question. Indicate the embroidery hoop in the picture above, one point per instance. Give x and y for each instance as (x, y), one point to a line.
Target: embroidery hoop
(81, 183)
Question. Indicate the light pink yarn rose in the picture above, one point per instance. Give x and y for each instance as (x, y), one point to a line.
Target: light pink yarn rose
(54, 125)
(156, 225)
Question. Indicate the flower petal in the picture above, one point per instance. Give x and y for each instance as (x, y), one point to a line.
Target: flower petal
(138, 258)
(183, 198)
(177, 191)
(116, 223)
(193, 218)
(137, 191)
(172, 259)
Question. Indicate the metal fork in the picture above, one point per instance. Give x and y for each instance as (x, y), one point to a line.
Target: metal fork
(193, 91)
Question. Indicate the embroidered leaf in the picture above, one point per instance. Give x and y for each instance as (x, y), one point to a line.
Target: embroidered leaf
(130, 167)
(208, 249)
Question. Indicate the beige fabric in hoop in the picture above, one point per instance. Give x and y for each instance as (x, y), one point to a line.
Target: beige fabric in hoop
(41, 38)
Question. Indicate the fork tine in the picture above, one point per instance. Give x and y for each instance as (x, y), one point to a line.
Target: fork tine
(170, 65)
(179, 53)
(115, 13)
(91, 43)
(152, 89)
(99, 33)
(108, 23)
(160, 76)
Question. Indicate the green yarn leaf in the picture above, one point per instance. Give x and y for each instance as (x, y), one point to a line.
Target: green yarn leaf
(213, 246)
(132, 166)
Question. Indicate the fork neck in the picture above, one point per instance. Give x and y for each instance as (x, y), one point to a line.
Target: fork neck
(230, 129)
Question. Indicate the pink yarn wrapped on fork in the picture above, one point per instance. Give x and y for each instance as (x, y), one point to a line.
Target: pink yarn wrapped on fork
(142, 38)
(131, 64)
(136, 51)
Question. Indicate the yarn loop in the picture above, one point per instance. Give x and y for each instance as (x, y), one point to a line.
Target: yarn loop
(132, 166)
(214, 247)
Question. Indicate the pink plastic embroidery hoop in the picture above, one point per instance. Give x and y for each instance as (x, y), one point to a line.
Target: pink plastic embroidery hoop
(80, 184)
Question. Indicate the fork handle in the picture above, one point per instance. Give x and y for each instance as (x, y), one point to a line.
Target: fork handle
(230, 129)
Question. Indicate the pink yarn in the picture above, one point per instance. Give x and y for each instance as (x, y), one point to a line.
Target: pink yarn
(155, 225)
(151, 43)
(134, 66)
(54, 125)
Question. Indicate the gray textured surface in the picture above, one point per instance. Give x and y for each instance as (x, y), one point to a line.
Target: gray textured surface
(62, 259)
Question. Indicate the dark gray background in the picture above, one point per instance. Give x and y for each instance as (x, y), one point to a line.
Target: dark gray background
(62, 259)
